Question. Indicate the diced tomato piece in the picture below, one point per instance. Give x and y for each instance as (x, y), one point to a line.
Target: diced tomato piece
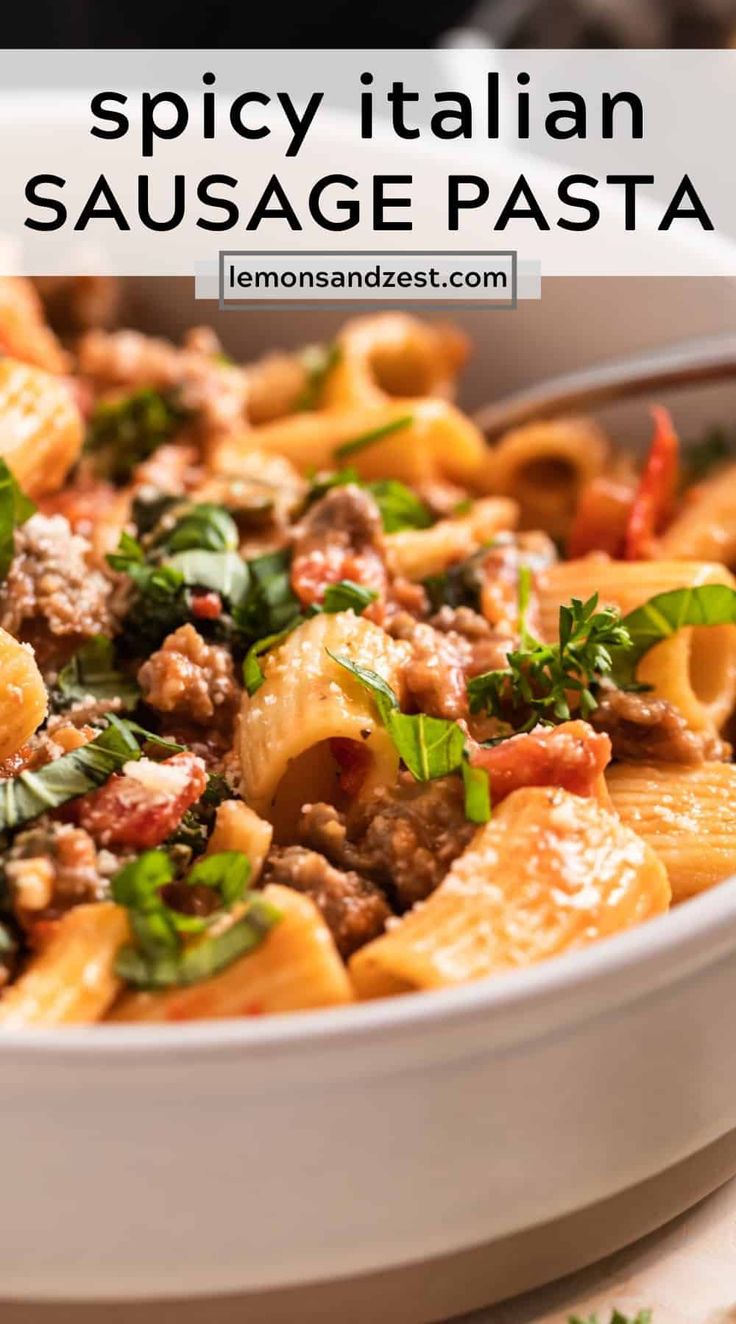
(655, 494)
(601, 519)
(141, 808)
(206, 606)
(571, 755)
(353, 760)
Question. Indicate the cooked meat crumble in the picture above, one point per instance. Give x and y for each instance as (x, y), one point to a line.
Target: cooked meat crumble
(644, 729)
(51, 585)
(191, 678)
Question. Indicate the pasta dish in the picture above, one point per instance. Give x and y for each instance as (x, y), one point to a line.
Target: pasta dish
(309, 695)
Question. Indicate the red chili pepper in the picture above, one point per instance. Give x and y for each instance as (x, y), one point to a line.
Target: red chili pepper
(656, 491)
(207, 606)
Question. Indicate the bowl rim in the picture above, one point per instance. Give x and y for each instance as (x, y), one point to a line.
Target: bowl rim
(622, 968)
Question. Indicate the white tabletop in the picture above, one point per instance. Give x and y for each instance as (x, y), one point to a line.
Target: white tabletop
(686, 1273)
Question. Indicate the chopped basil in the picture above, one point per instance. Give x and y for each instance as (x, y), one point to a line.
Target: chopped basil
(92, 671)
(641, 1317)
(400, 507)
(663, 615)
(24, 797)
(15, 509)
(346, 595)
(201, 959)
(373, 435)
(430, 747)
(123, 432)
(318, 362)
(203, 526)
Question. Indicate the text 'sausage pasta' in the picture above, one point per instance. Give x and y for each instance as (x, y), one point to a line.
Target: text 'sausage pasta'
(308, 695)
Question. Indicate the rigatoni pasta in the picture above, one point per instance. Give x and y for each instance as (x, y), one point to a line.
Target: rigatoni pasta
(303, 701)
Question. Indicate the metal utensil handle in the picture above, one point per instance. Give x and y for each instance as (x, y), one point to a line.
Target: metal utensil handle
(709, 359)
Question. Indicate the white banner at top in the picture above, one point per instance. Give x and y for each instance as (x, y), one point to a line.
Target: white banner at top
(601, 163)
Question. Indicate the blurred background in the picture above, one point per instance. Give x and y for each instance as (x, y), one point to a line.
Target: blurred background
(383, 24)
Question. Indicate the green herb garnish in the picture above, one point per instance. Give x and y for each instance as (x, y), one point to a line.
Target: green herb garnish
(430, 747)
(92, 671)
(173, 947)
(700, 457)
(345, 595)
(374, 434)
(665, 614)
(15, 509)
(642, 1317)
(24, 797)
(400, 507)
(460, 585)
(122, 433)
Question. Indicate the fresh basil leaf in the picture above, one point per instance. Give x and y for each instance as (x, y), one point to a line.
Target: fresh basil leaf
(202, 527)
(150, 738)
(665, 614)
(24, 797)
(458, 586)
(346, 595)
(700, 457)
(91, 671)
(430, 746)
(225, 573)
(477, 793)
(15, 509)
(121, 433)
(318, 362)
(202, 958)
(383, 696)
(373, 435)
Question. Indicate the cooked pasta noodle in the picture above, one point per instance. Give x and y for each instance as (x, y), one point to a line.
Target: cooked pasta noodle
(296, 967)
(72, 980)
(696, 668)
(298, 704)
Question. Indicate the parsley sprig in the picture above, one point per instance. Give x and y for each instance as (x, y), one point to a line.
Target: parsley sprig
(540, 679)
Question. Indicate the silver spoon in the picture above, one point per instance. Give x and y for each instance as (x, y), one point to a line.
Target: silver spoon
(707, 359)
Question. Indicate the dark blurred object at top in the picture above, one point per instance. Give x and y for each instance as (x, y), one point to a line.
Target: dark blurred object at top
(382, 24)
(603, 23)
(225, 24)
